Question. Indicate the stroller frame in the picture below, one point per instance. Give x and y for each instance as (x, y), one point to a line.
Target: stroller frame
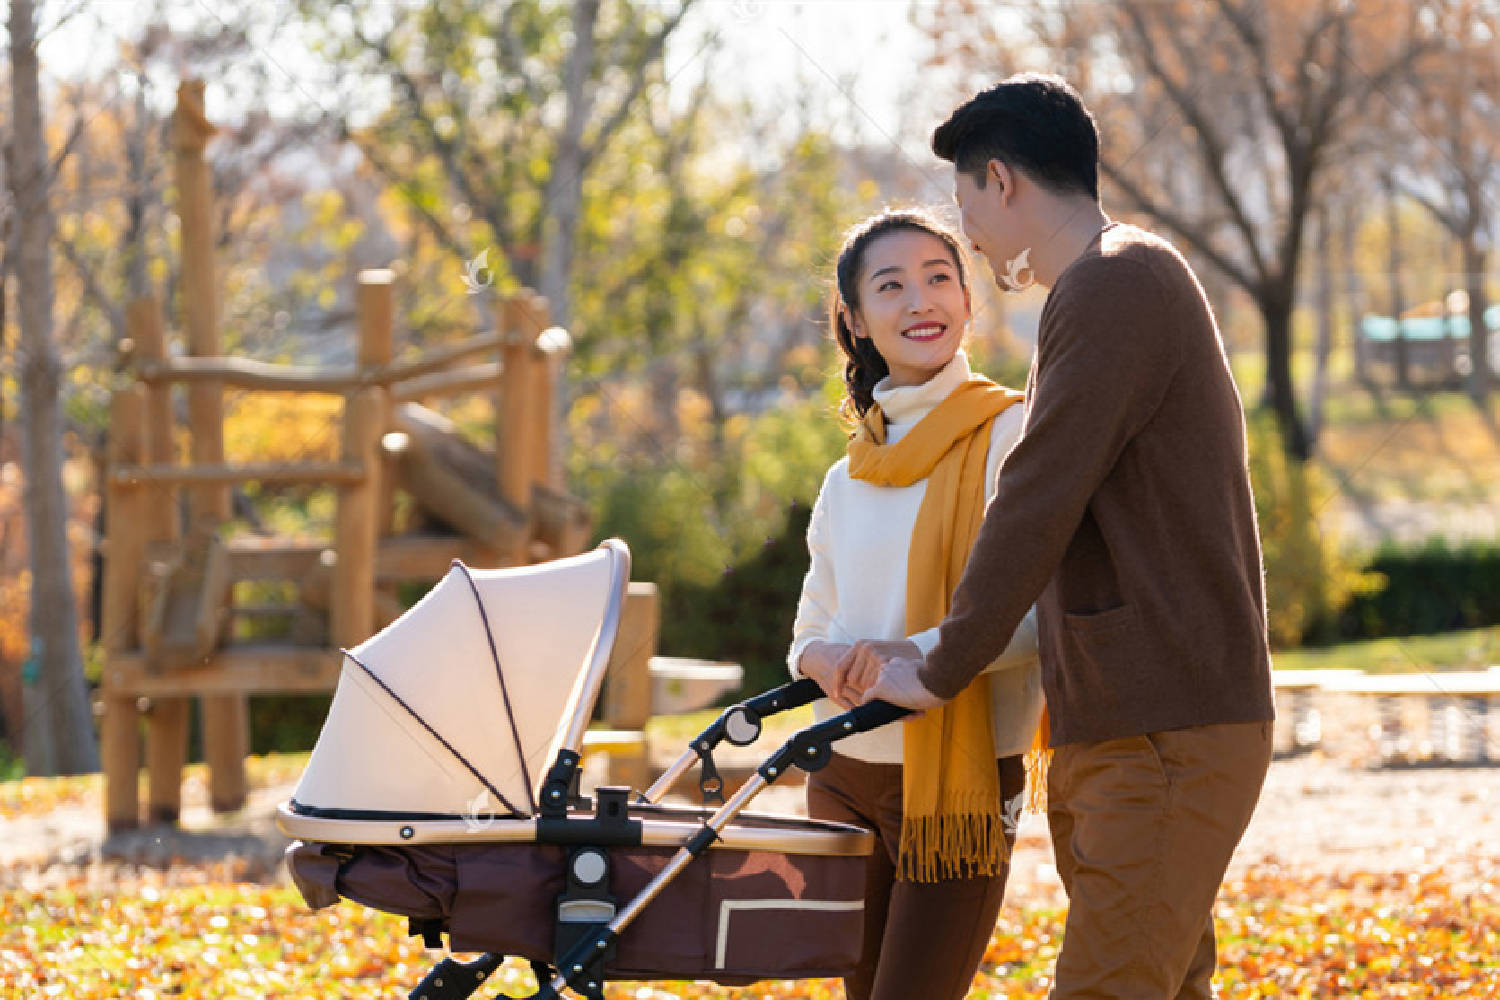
(588, 923)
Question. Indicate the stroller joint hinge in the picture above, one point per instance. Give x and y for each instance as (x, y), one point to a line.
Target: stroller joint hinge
(702, 840)
(559, 787)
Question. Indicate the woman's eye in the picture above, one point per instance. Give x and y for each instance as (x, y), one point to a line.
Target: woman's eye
(941, 276)
(888, 285)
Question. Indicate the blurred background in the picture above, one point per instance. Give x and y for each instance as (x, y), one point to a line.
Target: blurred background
(675, 178)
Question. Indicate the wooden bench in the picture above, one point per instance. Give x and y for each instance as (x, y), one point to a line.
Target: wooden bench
(1429, 717)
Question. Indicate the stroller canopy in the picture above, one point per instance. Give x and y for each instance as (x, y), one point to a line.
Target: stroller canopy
(457, 707)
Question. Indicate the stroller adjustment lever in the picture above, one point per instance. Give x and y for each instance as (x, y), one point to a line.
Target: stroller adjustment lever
(810, 748)
(740, 724)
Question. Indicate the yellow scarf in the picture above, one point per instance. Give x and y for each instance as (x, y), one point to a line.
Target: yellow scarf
(952, 823)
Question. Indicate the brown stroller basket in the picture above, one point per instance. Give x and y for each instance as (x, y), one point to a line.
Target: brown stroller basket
(419, 800)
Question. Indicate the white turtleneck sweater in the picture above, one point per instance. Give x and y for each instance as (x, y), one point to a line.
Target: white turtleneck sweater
(856, 584)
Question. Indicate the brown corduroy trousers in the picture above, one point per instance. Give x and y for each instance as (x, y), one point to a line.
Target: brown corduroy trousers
(1143, 829)
(922, 939)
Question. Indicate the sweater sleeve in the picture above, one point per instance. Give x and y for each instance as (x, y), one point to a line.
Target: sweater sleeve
(818, 605)
(1105, 355)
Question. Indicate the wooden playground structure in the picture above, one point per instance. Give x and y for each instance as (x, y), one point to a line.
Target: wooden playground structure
(168, 591)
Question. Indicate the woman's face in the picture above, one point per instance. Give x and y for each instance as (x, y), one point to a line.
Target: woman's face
(911, 304)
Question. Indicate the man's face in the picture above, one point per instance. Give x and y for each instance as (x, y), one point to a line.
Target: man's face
(988, 223)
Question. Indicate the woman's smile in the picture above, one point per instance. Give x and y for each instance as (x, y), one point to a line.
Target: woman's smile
(924, 332)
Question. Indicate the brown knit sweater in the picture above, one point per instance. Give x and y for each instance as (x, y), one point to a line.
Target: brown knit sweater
(1124, 512)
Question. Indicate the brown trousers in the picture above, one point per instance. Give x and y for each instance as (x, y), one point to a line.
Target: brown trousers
(1143, 829)
(922, 939)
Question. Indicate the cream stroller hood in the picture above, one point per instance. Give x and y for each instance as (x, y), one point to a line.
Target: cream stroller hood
(457, 707)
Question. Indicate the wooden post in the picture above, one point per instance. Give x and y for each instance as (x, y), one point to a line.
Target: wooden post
(374, 307)
(125, 549)
(143, 323)
(208, 506)
(352, 615)
(516, 437)
(552, 346)
(226, 725)
(167, 718)
(627, 695)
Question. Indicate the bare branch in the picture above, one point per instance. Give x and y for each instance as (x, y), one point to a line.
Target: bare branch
(1191, 233)
(1209, 139)
(617, 117)
(91, 288)
(396, 179)
(449, 154)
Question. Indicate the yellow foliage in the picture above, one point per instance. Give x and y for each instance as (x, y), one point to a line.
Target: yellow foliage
(280, 427)
(15, 567)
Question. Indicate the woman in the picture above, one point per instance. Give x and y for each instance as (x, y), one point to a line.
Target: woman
(889, 537)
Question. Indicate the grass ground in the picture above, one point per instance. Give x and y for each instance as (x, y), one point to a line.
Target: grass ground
(1475, 649)
(1382, 445)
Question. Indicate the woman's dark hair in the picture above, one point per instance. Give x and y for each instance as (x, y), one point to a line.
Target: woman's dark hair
(863, 364)
(1032, 122)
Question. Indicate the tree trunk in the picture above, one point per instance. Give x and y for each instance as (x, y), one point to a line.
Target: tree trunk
(60, 729)
(1276, 311)
(1324, 251)
(562, 205)
(1398, 297)
(1476, 259)
(563, 200)
(1352, 288)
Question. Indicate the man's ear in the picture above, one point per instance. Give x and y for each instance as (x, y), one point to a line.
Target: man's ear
(999, 174)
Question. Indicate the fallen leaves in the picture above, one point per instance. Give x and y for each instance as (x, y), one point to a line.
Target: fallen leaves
(41, 796)
(1364, 936)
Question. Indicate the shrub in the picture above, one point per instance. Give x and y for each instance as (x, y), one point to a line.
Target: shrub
(1436, 587)
(1309, 579)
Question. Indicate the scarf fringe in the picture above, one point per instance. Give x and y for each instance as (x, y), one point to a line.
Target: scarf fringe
(1037, 761)
(963, 843)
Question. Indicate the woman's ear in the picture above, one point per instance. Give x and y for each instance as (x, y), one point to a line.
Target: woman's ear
(851, 320)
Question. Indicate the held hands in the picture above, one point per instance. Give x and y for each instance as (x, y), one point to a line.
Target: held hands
(867, 670)
(860, 667)
(900, 684)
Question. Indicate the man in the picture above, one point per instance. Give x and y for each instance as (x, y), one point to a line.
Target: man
(1124, 512)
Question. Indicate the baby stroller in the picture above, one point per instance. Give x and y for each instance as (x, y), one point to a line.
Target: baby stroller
(444, 788)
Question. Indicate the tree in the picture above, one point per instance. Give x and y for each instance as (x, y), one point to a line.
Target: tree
(1455, 117)
(1219, 120)
(59, 736)
(514, 104)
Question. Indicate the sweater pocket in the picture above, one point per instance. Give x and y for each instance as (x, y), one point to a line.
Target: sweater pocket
(1096, 622)
(1101, 653)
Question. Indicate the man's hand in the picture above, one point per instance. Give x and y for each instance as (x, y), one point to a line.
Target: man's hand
(860, 665)
(899, 684)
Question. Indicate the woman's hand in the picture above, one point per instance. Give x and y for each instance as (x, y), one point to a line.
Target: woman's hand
(820, 661)
(859, 668)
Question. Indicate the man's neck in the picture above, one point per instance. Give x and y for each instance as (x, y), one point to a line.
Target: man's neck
(1071, 225)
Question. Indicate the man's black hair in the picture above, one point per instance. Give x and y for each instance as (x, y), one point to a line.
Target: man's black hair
(1032, 122)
